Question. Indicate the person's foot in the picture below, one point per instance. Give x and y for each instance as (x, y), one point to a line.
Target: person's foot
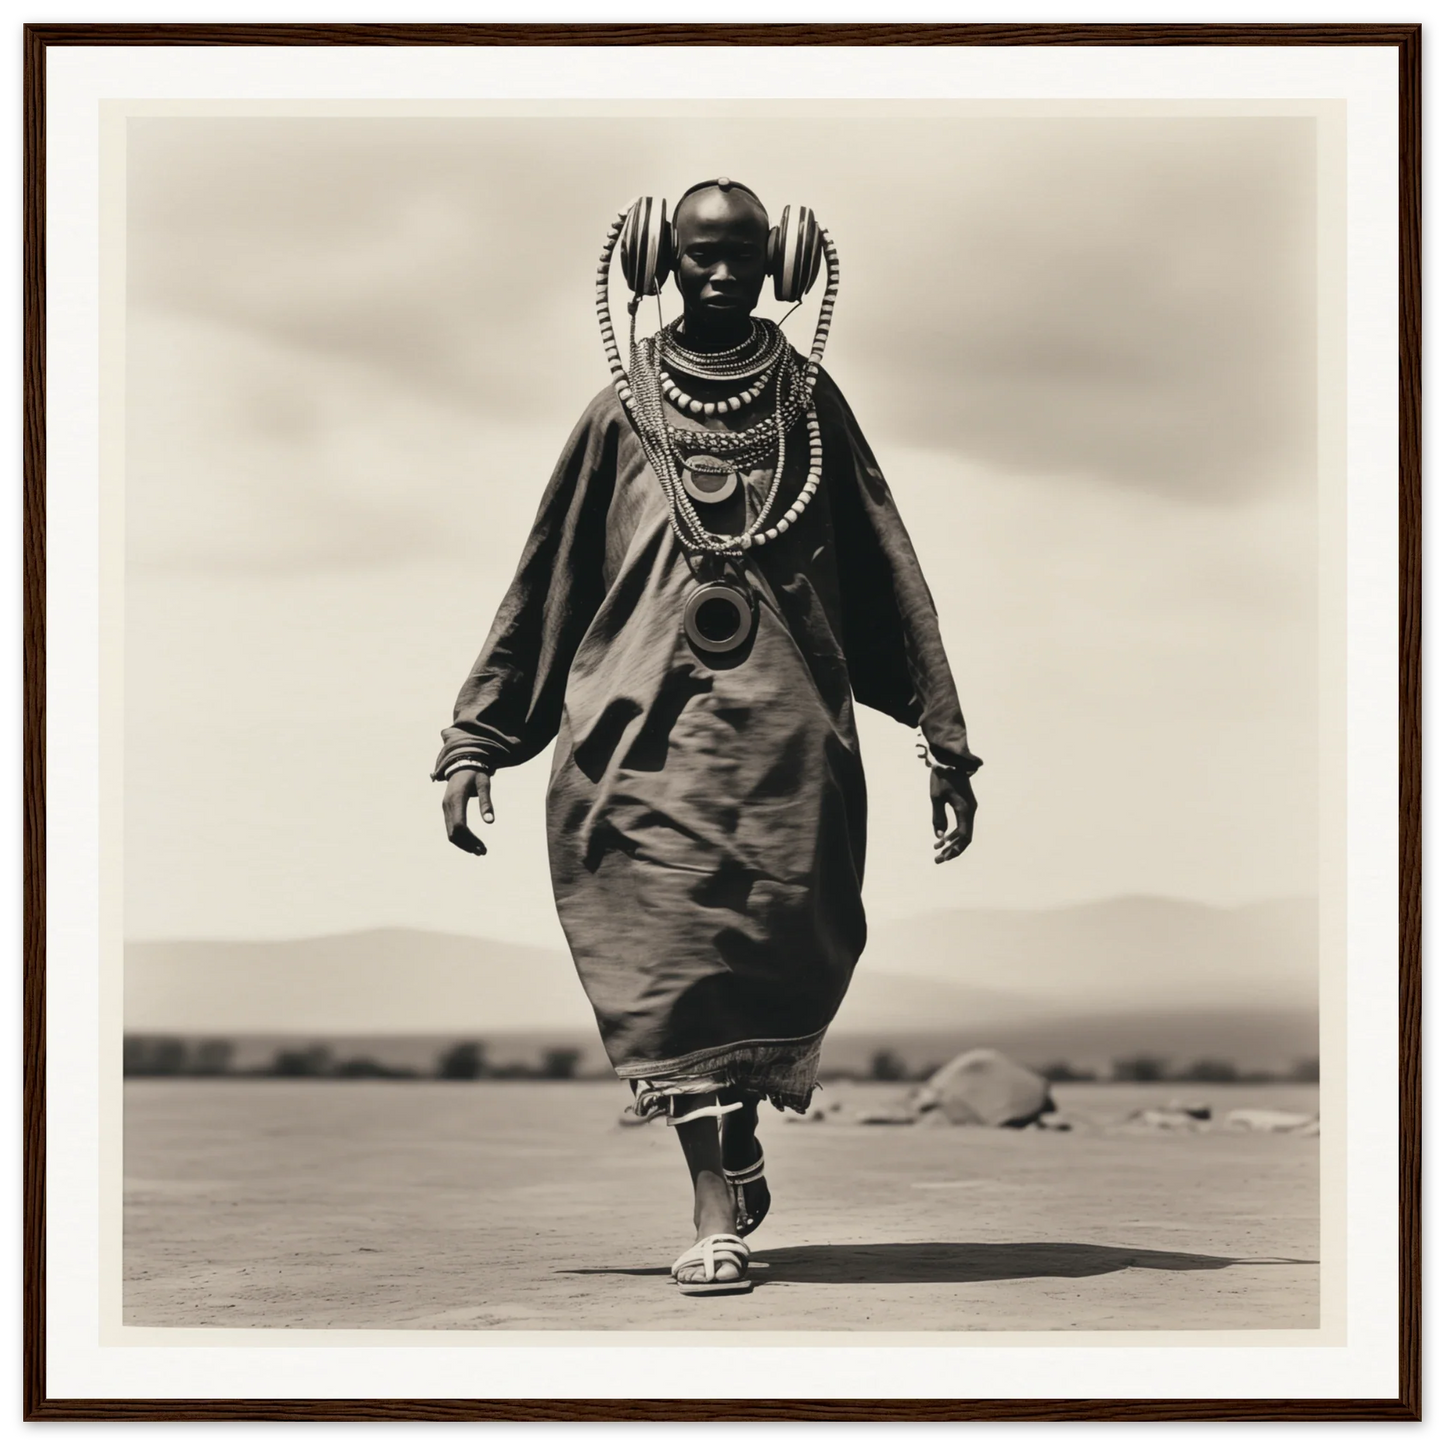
(713, 1212)
(740, 1149)
(714, 1209)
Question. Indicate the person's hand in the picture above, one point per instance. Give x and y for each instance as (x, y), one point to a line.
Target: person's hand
(951, 790)
(462, 787)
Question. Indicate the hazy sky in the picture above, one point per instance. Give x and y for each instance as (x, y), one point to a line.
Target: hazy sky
(1082, 349)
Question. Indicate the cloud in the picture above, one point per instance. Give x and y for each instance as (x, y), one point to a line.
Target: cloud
(421, 248)
(1128, 299)
(249, 453)
(1082, 350)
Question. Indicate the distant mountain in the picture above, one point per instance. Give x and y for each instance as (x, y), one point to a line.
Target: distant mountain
(1016, 970)
(1120, 955)
(385, 980)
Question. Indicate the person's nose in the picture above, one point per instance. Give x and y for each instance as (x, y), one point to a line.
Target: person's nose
(721, 272)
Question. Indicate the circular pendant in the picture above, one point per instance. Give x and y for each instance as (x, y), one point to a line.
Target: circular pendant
(706, 479)
(717, 618)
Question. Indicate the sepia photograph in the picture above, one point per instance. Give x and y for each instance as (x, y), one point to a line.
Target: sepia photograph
(561, 553)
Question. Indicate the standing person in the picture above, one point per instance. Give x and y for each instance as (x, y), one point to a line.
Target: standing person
(717, 571)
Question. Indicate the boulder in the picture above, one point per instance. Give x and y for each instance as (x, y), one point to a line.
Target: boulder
(983, 1087)
(1271, 1121)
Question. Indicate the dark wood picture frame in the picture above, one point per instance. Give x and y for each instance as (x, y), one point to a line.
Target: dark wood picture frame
(1405, 39)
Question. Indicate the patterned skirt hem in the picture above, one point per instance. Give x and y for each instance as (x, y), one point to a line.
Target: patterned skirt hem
(783, 1071)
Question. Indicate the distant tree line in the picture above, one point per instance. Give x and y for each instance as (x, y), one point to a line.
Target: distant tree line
(469, 1061)
(887, 1066)
(1151, 1068)
(170, 1057)
(162, 1056)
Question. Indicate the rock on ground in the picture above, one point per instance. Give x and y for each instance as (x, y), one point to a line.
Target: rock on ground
(1270, 1121)
(983, 1087)
(1167, 1118)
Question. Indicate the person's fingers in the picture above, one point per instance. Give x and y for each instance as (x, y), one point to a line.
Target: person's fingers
(454, 814)
(454, 809)
(957, 839)
(461, 836)
(940, 818)
(963, 822)
(467, 841)
(484, 796)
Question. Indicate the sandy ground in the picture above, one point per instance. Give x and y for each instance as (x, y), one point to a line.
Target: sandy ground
(524, 1206)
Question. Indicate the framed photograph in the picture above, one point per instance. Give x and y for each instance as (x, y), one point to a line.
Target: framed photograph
(517, 924)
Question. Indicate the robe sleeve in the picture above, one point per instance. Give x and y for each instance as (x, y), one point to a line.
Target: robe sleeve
(510, 706)
(896, 661)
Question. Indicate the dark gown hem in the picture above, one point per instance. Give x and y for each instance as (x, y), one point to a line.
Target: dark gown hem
(783, 1071)
(699, 1059)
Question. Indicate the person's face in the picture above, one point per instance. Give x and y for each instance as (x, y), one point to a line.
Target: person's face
(722, 245)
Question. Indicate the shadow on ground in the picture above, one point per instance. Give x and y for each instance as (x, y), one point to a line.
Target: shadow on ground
(961, 1263)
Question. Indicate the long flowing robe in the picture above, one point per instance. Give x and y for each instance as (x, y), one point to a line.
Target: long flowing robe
(706, 814)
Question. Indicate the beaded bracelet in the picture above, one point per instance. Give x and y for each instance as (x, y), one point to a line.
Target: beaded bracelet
(465, 764)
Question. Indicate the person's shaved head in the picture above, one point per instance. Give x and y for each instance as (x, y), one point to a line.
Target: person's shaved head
(716, 203)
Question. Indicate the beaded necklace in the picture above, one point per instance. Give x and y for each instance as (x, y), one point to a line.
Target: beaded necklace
(753, 361)
(707, 361)
(641, 393)
(683, 402)
(756, 442)
(725, 365)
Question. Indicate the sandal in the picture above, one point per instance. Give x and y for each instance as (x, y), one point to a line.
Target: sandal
(709, 1252)
(738, 1180)
(703, 1111)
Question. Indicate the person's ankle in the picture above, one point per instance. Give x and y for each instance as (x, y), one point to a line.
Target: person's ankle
(740, 1146)
(713, 1215)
